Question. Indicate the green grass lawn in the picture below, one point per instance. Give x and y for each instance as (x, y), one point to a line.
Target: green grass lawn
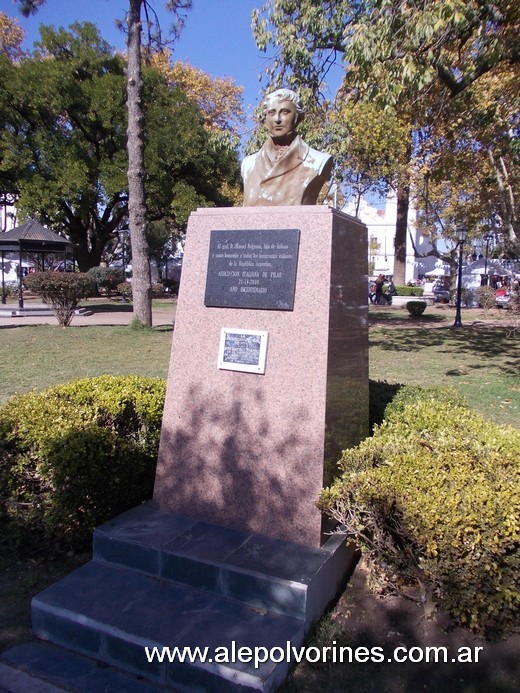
(482, 363)
(481, 360)
(37, 356)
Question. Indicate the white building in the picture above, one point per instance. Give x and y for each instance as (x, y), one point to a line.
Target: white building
(381, 233)
(7, 217)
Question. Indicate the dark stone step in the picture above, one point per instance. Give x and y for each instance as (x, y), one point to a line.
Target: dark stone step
(281, 577)
(111, 613)
(44, 668)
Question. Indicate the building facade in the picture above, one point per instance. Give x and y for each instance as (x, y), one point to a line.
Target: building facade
(380, 221)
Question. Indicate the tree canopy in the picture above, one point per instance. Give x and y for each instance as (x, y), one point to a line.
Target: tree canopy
(410, 43)
(11, 37)
(426, 96)
(63, 144)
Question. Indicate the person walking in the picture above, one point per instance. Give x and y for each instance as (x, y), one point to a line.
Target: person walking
(379, 283)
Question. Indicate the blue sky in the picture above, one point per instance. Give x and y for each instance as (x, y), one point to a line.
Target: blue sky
(217, 37)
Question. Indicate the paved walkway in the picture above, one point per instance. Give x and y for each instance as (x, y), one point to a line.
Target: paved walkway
(102, 313)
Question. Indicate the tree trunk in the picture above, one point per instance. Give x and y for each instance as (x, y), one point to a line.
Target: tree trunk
(401, 227)
(141, 276)
(507, 200)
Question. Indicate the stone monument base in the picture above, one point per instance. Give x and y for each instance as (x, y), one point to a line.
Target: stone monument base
(252, 449)
(163, 580)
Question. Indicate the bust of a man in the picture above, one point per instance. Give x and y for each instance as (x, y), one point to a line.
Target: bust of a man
(286, 171)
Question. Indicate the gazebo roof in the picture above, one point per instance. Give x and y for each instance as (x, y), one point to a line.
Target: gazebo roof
(33, 237)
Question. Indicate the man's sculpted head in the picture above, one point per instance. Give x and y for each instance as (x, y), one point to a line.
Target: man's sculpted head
(283, 111)
(286, 171)
(285, 95)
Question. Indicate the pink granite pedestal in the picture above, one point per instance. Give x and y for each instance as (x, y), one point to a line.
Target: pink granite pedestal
(252, 451)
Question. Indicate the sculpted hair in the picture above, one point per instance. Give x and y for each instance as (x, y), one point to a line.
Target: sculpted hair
(285, 95)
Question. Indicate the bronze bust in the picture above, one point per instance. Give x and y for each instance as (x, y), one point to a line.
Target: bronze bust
(286, 171)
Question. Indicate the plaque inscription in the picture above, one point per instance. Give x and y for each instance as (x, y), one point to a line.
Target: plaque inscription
(242, 350)
(252, 269)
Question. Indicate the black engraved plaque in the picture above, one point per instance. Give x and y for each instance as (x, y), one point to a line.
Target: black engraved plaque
(252, 269)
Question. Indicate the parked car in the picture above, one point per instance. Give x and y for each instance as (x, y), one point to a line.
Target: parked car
(503, 298)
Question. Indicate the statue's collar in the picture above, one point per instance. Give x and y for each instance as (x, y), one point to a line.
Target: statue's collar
(293, 156)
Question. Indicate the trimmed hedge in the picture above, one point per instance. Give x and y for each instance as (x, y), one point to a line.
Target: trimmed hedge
(75, 455)
(61, 290)
(125, 289)
(433, 499)
(106, 278)
(409, 290)
(416, 308)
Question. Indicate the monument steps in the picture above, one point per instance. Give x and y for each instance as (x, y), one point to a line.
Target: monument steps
(40, 667)
(162, 580)
(112, 614)
(257, 570)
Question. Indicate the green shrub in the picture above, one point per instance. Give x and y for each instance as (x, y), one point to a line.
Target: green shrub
(380, 394)
(486, 297)
(414, 394)
(515, 300)
(416, 308)
(61, 290)
(409, 290)
(157, 290)
(76, 455)
(10, 289)
(125, 289)
(432, 498)
(106, 278)
(467, 298)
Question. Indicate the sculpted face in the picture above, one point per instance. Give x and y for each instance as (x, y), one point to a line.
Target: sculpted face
(281, 119)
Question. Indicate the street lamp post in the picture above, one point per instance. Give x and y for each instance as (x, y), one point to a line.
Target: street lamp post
(461, 235)
(487, 239)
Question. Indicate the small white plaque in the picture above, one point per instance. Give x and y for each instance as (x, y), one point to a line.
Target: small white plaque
(242, 350)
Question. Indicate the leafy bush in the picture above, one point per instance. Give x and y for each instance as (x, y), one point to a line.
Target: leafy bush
(61, 290)
(432, 498)
(467, 298)
(409, 290)
(416, 308)
(515, 301)
(486, 297)
(106, 278)
(10, 289)
(125, 289)
(157, 290)
(380, 394)
(171, 285)
(409, 395)
(76, 455)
